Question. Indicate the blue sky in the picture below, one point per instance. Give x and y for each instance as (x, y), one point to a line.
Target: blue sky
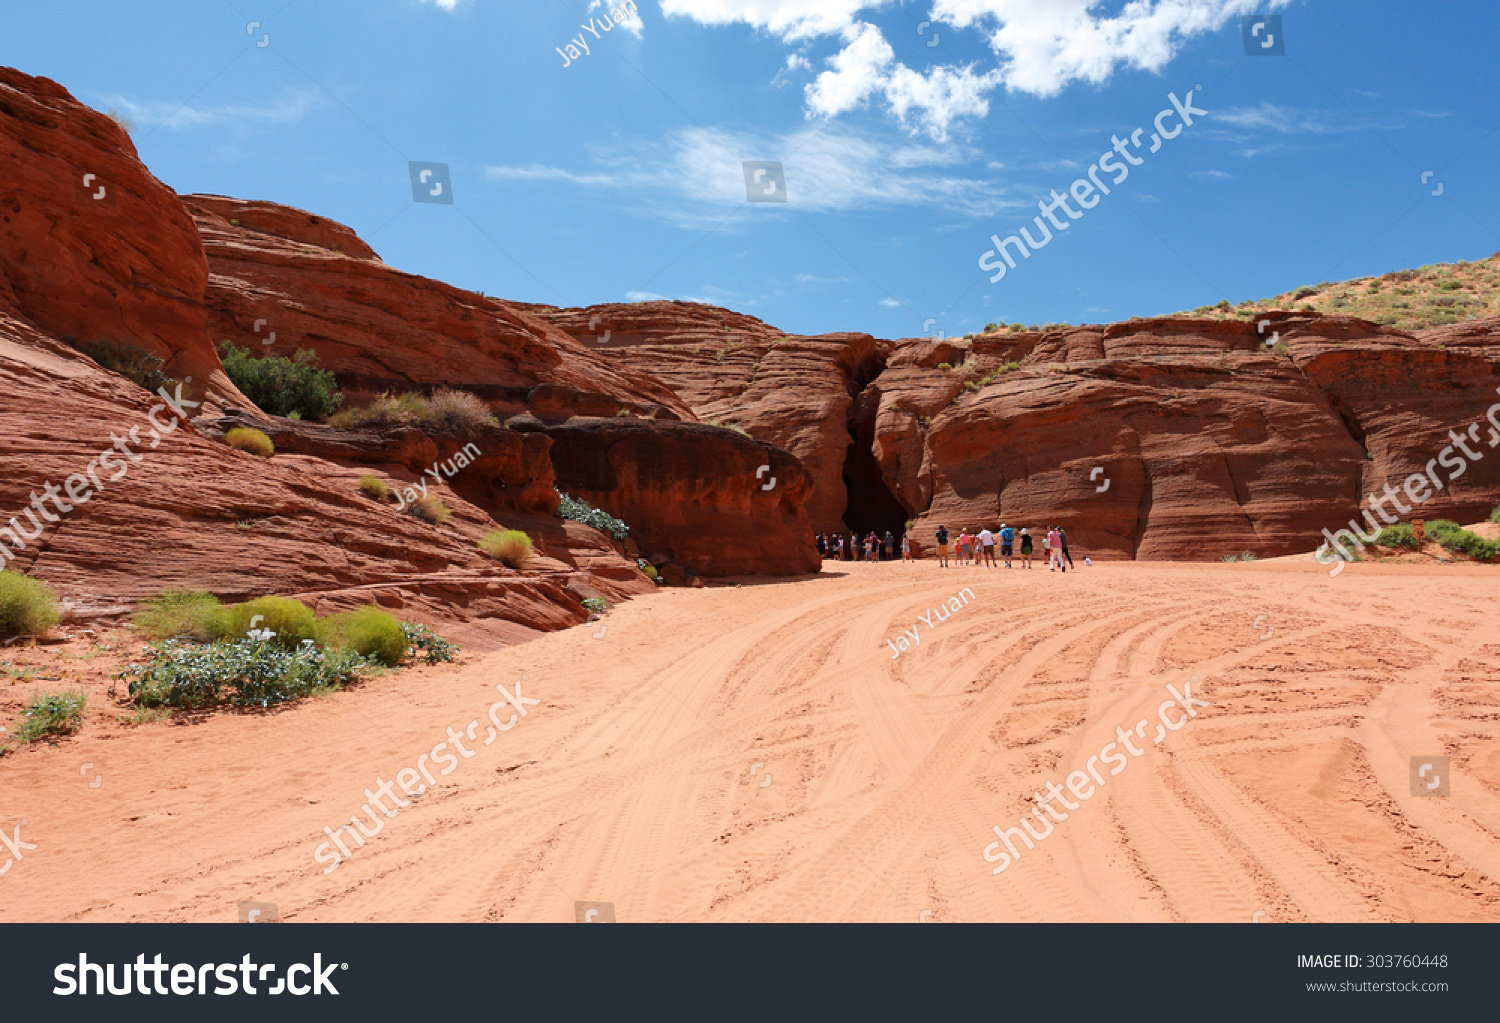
(619, 176)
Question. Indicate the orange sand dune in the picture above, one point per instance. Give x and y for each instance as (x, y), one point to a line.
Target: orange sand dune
(754, 753)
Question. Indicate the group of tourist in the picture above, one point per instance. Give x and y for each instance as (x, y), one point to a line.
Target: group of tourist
(868, 548)
(969, 548)
(979, 548)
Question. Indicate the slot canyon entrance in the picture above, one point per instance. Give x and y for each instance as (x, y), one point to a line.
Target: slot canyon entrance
(872, 507)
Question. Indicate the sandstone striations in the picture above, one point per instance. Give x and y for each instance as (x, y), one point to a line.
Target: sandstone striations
(796, 392)
(179, 509)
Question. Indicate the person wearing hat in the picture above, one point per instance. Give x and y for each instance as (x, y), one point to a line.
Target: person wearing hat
(1026, 543)
(1007, 542)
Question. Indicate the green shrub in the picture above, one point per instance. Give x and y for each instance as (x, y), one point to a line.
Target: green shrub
(1247, 556)
(1495, 513)
(650, 571)
(246, 672)
(27, 606)
(429, 509)
(290, 620)
(510, 546)
(990, 328)
(944, 365)
(424, 641)
(581, 511)
(1399, 535)
(133, 363)
(52, 714)
(374, 486)
(368, 631)
(598, 605)
(1454, 537)
(181, 614)
(282, 386)
(253, 441)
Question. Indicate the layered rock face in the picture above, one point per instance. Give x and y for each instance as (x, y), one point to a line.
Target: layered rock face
(1171, 438)
(795, 392)
(726, 505)
(1180, 438)
(317, 287)
(92, 246)
(382, 330)
(112, 497)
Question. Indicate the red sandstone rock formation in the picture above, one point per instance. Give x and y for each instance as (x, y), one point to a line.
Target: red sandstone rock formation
(114, 259)
(189, 512)
(318, 287)
(796, 392)
(693, 495)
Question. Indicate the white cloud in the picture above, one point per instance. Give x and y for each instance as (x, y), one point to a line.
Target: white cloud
(644, 296)
(1042, 47)
(1213, 174)
(695, 176)
(1270, 116)
(290, 107)
(890, 303)
(446, 5)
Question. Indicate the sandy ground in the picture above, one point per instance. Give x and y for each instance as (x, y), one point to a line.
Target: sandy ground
(754, 753)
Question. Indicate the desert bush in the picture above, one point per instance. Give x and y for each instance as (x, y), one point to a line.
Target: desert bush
(291, 620)
(458, 411)
(429, 509)
(52, 714)
(598, 605)
(132, 363)
(1454, 537)
(281, 386)
(181, 614)
(27, 606)
(448, 409)
(252, 441)
(403, 409)
(649, 570)
(1399, 535)
(374, 486)
(944, 365)
(1305, 291)
(247, 672)
(423, 640)
(1495, 513)
(510, 546)
(368, 631)
(1247, 556)
(582, 511)
(990, 328)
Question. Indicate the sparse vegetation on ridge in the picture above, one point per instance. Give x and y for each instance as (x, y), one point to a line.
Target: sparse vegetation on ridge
(447, 409)
(132, 363)
(1409, 300)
